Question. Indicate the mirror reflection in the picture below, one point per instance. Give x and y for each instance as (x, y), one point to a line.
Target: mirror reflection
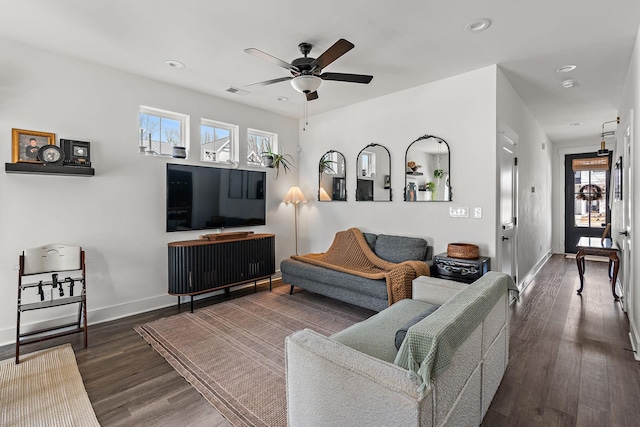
(427, 166)
(332, 177)
(374, 174)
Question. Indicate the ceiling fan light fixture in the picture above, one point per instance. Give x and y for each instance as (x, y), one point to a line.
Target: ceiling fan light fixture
(306, 84)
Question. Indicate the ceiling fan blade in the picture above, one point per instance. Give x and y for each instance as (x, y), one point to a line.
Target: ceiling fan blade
(338, 49)
(269, 82)
(312, 95)
(342, 77)
(269, 58)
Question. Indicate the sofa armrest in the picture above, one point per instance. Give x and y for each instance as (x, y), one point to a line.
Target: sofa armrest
(331, 384)
(434, 290)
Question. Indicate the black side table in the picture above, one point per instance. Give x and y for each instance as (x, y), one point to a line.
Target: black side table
(458, 269)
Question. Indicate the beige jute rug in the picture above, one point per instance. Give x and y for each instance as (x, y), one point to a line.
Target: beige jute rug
(45, 389)
(233, 352)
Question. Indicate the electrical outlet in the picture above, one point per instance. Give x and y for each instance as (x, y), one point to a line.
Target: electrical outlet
(477, 212)
(48, 294)
(462, 212)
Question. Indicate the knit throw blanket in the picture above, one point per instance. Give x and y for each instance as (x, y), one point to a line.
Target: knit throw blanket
(350, 253)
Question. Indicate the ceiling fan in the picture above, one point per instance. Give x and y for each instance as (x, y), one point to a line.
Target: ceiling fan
(306, 72)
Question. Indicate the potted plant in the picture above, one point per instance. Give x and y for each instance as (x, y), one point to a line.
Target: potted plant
(438, 173)
(431, 186)
(325, 165)
(274, 160)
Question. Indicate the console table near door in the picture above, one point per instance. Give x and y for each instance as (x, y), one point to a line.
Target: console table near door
(601, 247)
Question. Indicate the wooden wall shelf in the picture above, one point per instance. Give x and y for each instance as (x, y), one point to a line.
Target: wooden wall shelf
(37, 168)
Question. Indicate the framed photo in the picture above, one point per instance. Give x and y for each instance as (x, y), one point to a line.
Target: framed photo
(26, 143)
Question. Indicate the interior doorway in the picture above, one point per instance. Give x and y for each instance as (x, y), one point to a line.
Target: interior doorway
(508, 202)
(586, 205)
(623, 192)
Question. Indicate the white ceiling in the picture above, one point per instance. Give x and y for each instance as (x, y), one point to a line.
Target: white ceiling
(401, 43)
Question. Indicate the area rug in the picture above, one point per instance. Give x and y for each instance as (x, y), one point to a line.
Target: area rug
(233, 352)
(45, 389)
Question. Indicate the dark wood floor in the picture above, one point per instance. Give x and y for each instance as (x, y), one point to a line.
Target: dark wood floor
(569, 362)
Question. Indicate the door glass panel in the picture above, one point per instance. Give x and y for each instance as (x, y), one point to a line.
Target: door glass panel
(590, 206)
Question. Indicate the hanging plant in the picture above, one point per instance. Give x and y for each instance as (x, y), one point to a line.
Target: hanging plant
(438, 173)
(590, 192)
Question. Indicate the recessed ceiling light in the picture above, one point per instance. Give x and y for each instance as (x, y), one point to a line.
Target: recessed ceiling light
(566, 68)
(576, 124)
(569, 83)
(283, 98)
(477, 25)
(174, 64)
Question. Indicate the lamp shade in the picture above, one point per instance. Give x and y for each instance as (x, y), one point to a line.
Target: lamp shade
(306, 84)
(324, 196)
(295, 196)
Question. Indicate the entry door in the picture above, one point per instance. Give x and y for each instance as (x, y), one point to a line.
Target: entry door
(586, 205)
(508, 203)
(625, 236)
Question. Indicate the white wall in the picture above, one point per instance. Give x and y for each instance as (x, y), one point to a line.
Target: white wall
(460, 109)
(628, 110)
(534, 172)
(118, 216)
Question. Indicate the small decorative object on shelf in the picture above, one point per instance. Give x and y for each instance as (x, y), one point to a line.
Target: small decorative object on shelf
(76, 153)
(51, 155)
(179, 152)
(26, 144)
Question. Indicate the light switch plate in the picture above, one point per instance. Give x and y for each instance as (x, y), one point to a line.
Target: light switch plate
(477, 212)
(461, 212)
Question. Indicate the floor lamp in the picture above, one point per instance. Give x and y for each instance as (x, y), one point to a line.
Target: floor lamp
(295, 196)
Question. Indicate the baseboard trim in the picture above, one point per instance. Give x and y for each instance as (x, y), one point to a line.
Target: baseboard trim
(109, 313)
(635, 339)
(526, 280)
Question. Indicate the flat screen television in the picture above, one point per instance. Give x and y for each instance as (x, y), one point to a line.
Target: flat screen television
(202, 197)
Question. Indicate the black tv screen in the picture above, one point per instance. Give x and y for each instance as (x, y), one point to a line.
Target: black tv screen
(201, 197)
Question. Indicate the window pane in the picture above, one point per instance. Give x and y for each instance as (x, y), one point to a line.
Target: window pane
(215, 143)
(258, 143)
(159, 133)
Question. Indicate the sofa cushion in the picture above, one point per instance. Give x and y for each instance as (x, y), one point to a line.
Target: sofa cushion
(399, 248)
(402, 332)
(375, 336)
(339, 280)
(371, 239)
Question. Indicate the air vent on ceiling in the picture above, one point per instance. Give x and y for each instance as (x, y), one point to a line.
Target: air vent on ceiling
(237, 91)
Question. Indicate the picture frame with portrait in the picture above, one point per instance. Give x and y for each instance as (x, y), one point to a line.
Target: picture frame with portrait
(26, 143)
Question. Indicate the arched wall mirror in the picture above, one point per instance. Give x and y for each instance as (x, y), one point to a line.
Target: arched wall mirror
(374, 174)
(427, 167)
(332, 181)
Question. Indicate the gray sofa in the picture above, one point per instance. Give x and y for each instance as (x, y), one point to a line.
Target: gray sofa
(445, 373)
(368, 293)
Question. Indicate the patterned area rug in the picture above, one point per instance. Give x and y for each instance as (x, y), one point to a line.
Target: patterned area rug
(45, 389)
(233, 352)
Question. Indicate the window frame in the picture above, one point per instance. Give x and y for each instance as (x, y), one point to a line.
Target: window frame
(234, 131)
(183, 120)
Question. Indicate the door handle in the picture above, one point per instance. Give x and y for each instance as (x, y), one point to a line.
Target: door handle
(624, 233)
(504, 238)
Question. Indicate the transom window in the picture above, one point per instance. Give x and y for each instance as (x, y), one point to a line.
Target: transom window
(259, 142)
(162, 130)
(218, 141)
